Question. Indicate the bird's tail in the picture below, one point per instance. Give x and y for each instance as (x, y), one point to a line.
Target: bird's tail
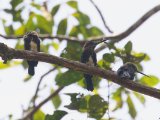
(31, 70)
(88, 79)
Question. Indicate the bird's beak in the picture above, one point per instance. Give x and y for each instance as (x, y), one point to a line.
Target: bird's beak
(98, 42)
(143, 74)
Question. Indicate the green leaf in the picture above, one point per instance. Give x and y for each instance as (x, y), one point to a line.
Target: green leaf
(141, 56)
(97, 107)
(39, 115)
(19, 45)
(108, 57)
(73, 4)
(73, 96)
(149, 81)
(9, 64)
(132, 110)
(147, 58)
(58, 114)
(100, 63)
(95, 31)
(9, 30)
(44, 25)
(106, 64)
(24, 64)
(62, 27)
(140, 97)
(117, 96)
(15, 3)
(39, 22)
(74, 31)
(82, 18)
(83, 30)
(55, 45)
(55, 9)
(36, 5)
(72, 51)
(67, 78)
(21, 30)
(4, 66)
(128, 47)
(56, 100)
(30, 24)
(45, 48)
(94, 105)
(27, 78)
(17, 15)
(79, 104)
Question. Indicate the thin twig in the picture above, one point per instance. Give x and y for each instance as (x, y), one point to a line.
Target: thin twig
(113, 38)
(101, 15)
(44, 36)
(45, 5)
(11, 36)
(137, 24)
(40, 81)
(77, 66)
(42, 103)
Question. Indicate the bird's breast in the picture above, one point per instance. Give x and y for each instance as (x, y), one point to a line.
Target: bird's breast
(90, 61)
(33, 46)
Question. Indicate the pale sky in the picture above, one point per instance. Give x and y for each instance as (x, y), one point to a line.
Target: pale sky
(119, 15)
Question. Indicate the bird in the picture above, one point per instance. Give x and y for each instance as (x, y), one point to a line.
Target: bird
(89, 57)
(128, 70)
(32, 43)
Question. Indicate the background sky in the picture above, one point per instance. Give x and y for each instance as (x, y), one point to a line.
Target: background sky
(119, 15)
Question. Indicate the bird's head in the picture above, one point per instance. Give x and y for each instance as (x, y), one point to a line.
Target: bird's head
(90, 45)
(32, 33)
(133, 68)
(130, 66)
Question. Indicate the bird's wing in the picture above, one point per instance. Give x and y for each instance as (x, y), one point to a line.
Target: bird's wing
(94, 57)
(85, 57)
(26, 43)
(38, 44)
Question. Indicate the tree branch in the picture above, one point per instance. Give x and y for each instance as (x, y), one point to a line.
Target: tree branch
(113, 38)
(40, 81)
(77, 66)
(101, 15)
(44, 36)
(137, 24)
(42, 103)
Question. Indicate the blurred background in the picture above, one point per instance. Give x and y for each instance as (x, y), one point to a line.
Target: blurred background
(80, 19)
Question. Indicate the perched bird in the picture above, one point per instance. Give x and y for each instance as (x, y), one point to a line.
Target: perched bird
(128, 70)
(89, 57)
(32, 43)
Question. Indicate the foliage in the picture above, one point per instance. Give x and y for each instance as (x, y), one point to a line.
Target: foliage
(94, 105)
(57, 115)
(44, 21)
(56, 100)
(39, 115)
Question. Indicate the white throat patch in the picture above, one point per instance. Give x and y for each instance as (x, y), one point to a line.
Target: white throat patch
(33, 46)
(90, 61)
